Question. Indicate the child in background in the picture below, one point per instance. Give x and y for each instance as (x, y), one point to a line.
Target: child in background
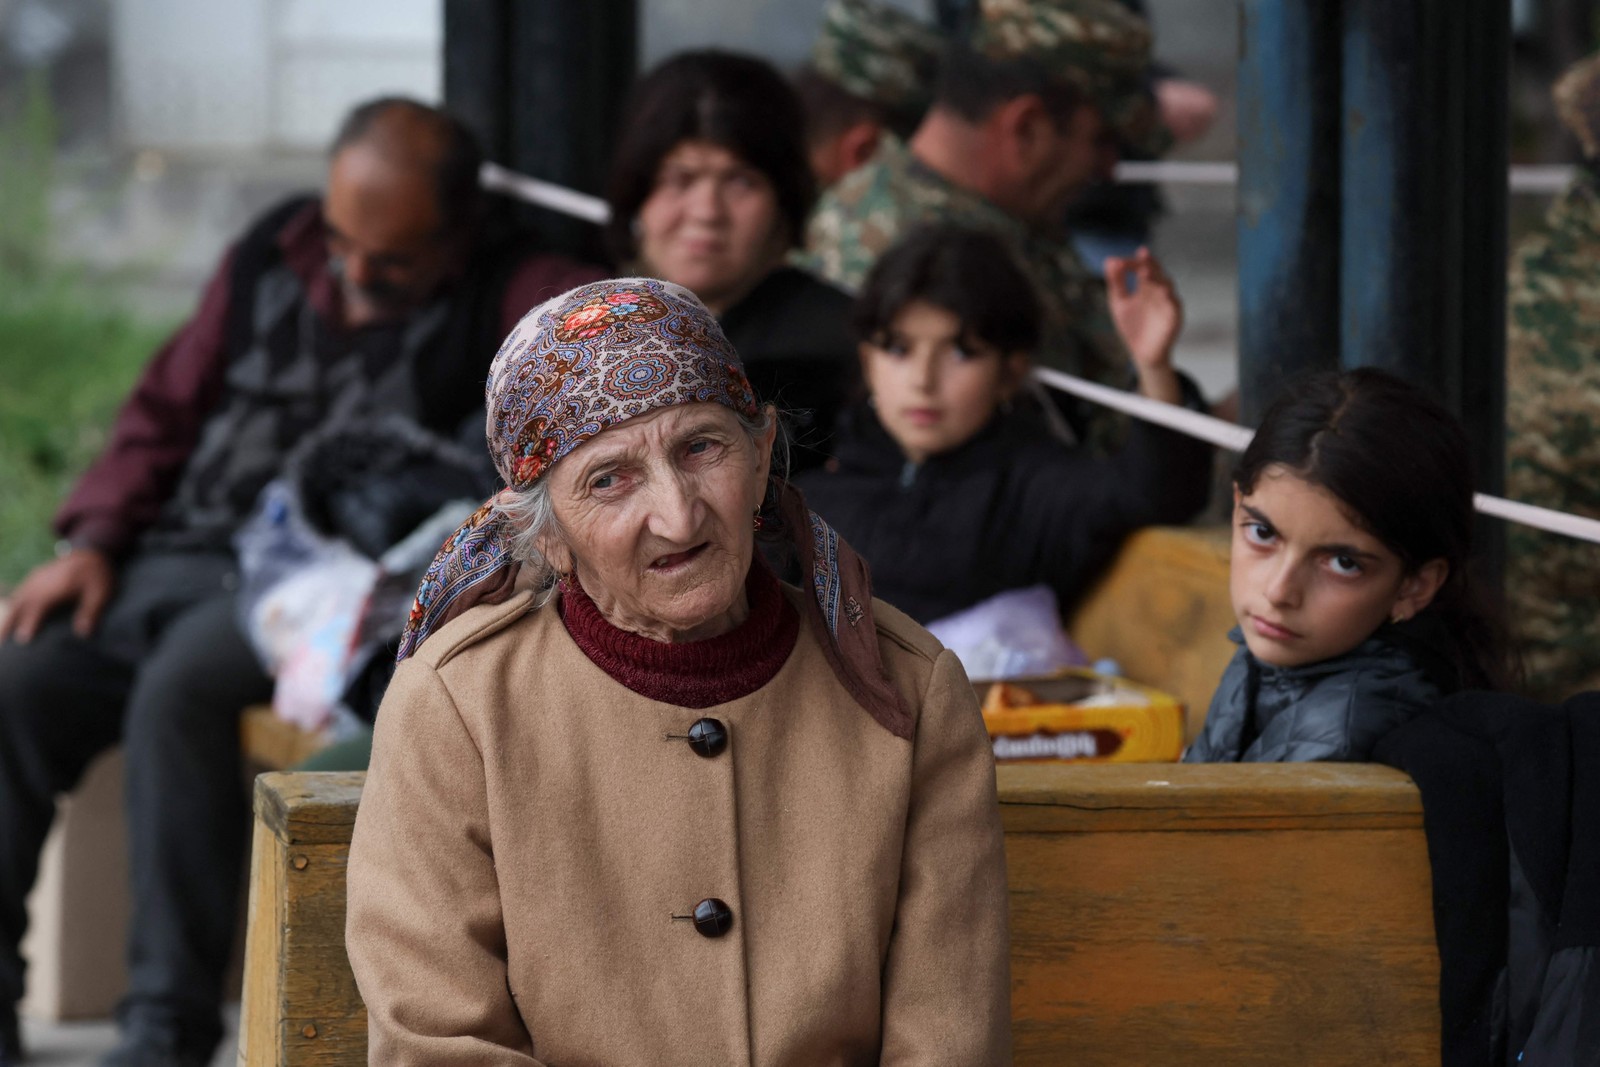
(952, 496)
(1352, 526)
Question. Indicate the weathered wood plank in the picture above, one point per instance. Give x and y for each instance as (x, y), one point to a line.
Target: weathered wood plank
(1307, 947)
(317, 808)
(1038, 797)
(263, 962)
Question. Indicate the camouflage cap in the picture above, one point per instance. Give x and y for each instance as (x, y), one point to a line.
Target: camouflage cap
(1099, 45)
(878, 53)
(1577, 97)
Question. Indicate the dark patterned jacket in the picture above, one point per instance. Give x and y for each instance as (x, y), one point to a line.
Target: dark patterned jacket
(261, 364)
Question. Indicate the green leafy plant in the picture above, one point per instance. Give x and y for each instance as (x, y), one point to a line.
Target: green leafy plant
(69, 349)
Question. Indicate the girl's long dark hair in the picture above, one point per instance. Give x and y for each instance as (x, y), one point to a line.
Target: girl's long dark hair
(1400, 463)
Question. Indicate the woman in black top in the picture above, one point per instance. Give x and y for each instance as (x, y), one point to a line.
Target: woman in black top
(710, 189)
(950, 490)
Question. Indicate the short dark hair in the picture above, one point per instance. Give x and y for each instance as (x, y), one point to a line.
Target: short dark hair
(973, 85)
(736, 102)
(459, 157)
(969, 273)
(830, 109)
(1399, 463)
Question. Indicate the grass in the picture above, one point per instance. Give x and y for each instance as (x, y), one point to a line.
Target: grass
(66, 362)
(68, 350)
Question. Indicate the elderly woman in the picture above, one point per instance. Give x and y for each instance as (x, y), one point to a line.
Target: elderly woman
(710, 188)
(634, 801)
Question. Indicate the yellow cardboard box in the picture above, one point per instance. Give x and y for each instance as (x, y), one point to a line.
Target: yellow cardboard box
(1082, 716)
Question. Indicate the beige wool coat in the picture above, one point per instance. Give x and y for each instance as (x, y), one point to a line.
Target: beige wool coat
(528, 834)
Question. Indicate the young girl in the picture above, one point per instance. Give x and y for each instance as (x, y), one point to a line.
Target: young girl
(1352, 525)
(951, 495)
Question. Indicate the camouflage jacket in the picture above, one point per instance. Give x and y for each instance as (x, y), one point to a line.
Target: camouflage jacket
(869, 209)
(1553, 441)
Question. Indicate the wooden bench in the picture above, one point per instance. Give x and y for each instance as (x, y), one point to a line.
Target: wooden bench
(1267, 914)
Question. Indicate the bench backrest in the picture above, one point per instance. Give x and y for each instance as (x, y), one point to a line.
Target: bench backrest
(1162, 612)
(1262, 914)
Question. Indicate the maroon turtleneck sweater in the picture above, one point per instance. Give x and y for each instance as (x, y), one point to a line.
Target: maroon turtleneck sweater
(694, 674)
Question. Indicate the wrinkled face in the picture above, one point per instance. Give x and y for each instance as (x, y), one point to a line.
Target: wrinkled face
(932, 391)
(655, 518)
(1307, 582)
(386, 240)
(711, 224)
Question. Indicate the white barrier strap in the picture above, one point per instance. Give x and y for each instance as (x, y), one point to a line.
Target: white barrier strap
(1543, 180)
(1208, 428)
(544, 194)
(1236, 438)
(1540, 180)
(1575, 526)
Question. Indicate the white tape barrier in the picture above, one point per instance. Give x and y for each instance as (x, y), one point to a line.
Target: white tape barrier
(1538, 181)
(1235, 438)
(1545, 181)
(544, 194)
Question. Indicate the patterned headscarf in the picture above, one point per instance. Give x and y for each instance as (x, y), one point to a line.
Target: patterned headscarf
(598, 356)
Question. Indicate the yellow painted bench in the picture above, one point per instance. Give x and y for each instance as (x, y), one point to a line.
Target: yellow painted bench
(1266, 915)
(1162, 612)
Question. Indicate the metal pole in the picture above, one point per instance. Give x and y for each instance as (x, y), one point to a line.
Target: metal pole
(1426, 100)
(572, 65)
(1425, 200)
(1484, 83)
(543, 83)
(1288, 197)
(476, 82)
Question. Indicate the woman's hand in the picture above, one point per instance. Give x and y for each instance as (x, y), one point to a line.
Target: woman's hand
(1148, 318)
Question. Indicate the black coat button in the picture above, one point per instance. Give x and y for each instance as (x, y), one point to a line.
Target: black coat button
(712, 917)
(708, 737)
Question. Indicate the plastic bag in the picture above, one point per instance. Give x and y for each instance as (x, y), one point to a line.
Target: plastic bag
(1015, 634)
(301, 601)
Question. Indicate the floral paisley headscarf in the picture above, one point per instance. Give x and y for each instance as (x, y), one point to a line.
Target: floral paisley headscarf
(597, 356)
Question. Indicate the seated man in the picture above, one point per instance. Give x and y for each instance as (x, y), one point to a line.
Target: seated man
(386, 295)
(871, 69)
(1023, 120)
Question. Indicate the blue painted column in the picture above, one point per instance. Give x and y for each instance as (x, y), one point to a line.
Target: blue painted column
(1288, 196)
(1400, 190)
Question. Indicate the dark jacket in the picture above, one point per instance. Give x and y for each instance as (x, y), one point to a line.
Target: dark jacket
(1336, 709)
(1011, 508)
(1511, 807)
(793, 333)
(193, 381)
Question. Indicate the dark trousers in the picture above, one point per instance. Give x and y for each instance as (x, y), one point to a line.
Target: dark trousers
(166, 672)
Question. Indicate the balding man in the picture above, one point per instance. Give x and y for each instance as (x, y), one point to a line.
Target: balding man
(383, 296)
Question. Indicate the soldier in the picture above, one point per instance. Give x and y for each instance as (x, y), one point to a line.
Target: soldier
(1553, 415)
(872, 69)
(1035, 109)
